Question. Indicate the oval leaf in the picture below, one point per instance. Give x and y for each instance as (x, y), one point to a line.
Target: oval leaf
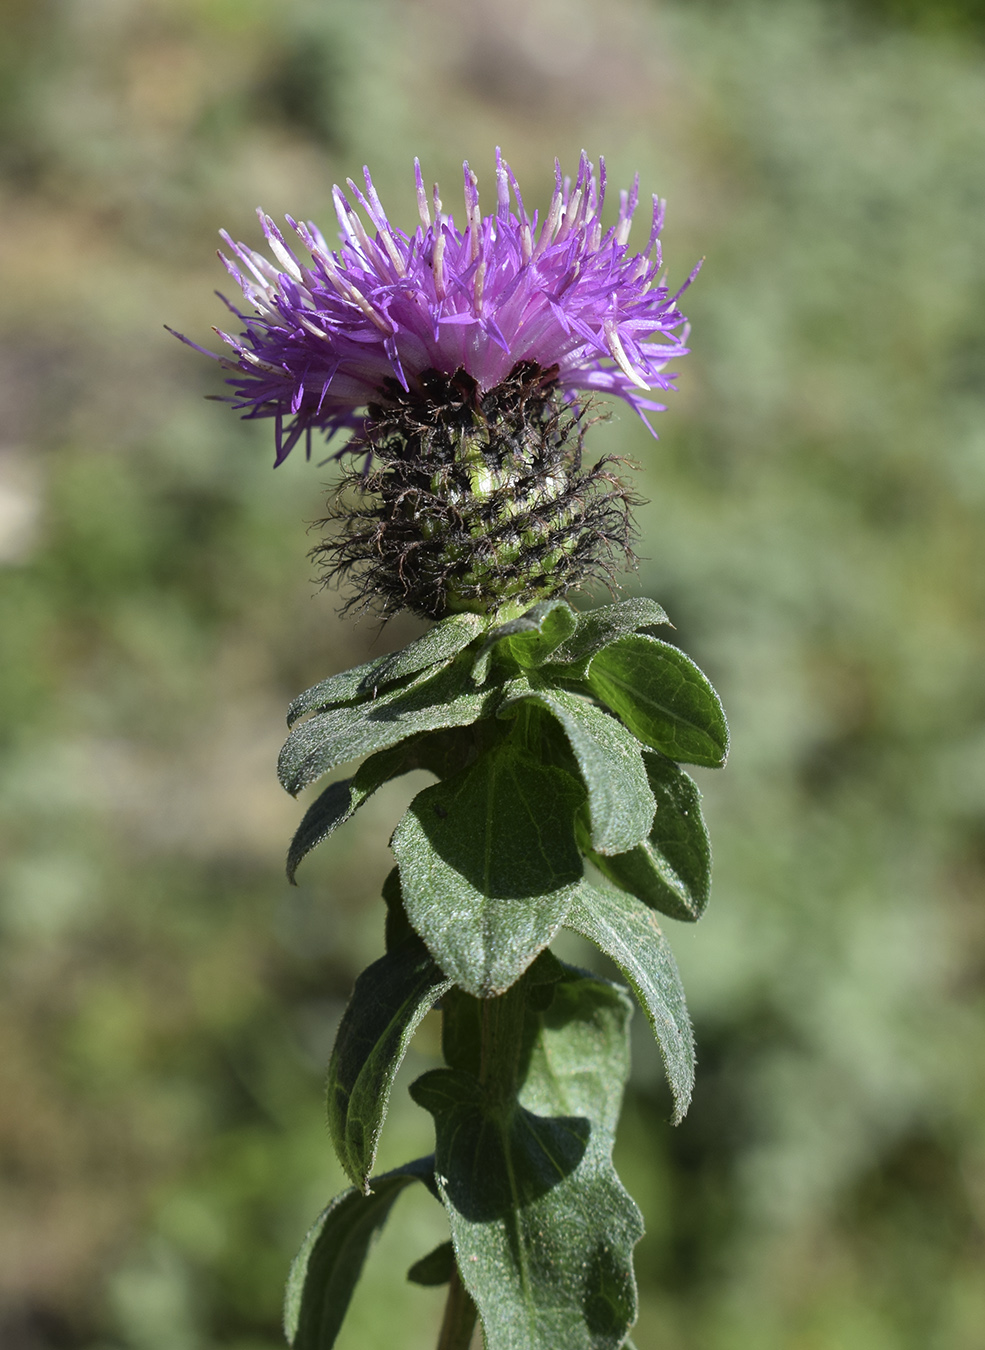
(434, 1269)
(542, 1227)
(342, 734)
(671, 870)
(663, 698)
(610, 758)
(488, 859)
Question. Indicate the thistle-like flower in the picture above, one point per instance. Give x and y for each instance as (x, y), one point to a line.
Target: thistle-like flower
(461, 360)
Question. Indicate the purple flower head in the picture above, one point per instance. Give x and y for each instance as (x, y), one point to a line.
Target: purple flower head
(327, 336)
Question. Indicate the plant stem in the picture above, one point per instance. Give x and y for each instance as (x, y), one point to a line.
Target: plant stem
(502, 1044)
(501, 1022)
(460, 1316)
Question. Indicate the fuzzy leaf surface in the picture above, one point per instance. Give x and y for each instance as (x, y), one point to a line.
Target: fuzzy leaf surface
(598, 627)
(663, 698)
(488, 859)
(389, 1002)
(532, 637)
(437, 646)
(623, 928)
(543, 1228)
(327, 1268)
(610, 759)
(441, 752)
(332, 738)
(340, 801)
(671, 869)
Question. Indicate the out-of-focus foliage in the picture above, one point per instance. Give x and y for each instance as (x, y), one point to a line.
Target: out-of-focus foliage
(815, 531)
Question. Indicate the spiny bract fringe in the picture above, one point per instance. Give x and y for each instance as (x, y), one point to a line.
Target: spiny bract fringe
(474, 501)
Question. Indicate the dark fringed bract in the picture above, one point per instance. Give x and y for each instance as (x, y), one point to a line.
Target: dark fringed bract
(461, 499)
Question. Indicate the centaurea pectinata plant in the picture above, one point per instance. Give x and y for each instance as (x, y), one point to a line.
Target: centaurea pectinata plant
(463, 363)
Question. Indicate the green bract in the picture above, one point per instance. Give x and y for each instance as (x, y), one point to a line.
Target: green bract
(556, 740)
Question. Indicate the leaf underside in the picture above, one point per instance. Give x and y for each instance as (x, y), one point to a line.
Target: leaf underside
(326, 1270)
(627, 931)
(389, 1002)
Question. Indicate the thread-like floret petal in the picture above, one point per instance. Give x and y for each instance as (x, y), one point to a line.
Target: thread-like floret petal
(325, 337)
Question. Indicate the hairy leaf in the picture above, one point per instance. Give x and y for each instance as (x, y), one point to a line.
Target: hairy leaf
(488, 859)
(327, 1268)
(542, 1227)
(340, 801)
(341, 734)
(671, 870)
(623, 928)
(532, 637)
(662, 697)
(440, 752)
(610, 758)
(437, 646)
(598, 627)
(388, 1004)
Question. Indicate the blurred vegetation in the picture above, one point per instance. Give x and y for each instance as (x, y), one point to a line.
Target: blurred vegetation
(815, 530)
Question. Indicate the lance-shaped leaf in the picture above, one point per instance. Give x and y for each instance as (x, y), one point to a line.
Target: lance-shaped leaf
(389, 1002)
(340, 801)
(436, 647)
(662, 697)
(623, 928)
(598, 627)
(671, 869)
(610, 758)
(331, 738)
(327, 1268)
(542, 1227)
(488, 859)
(532, 637)
(441, 752)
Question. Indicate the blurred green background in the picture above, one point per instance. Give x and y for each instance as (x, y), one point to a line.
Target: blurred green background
(815, 528)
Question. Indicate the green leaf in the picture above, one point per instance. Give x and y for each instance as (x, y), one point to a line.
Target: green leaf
(488, 859)
(438, 646)
(627, 932)
(553, 621)
(671, 870)
(340, 801)
(542, 1227)
(440, 752)
(610, 759)
(388, 1004)
(327, 1268)
(532, 637)
(598, 627)
(663, 698)
(342, 734)
(435, 1268)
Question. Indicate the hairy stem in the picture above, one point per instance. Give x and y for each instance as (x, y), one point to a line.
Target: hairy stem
(500, 1022)
(502, 1044)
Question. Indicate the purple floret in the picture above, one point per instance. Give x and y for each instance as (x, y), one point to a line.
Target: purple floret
(325, 337)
